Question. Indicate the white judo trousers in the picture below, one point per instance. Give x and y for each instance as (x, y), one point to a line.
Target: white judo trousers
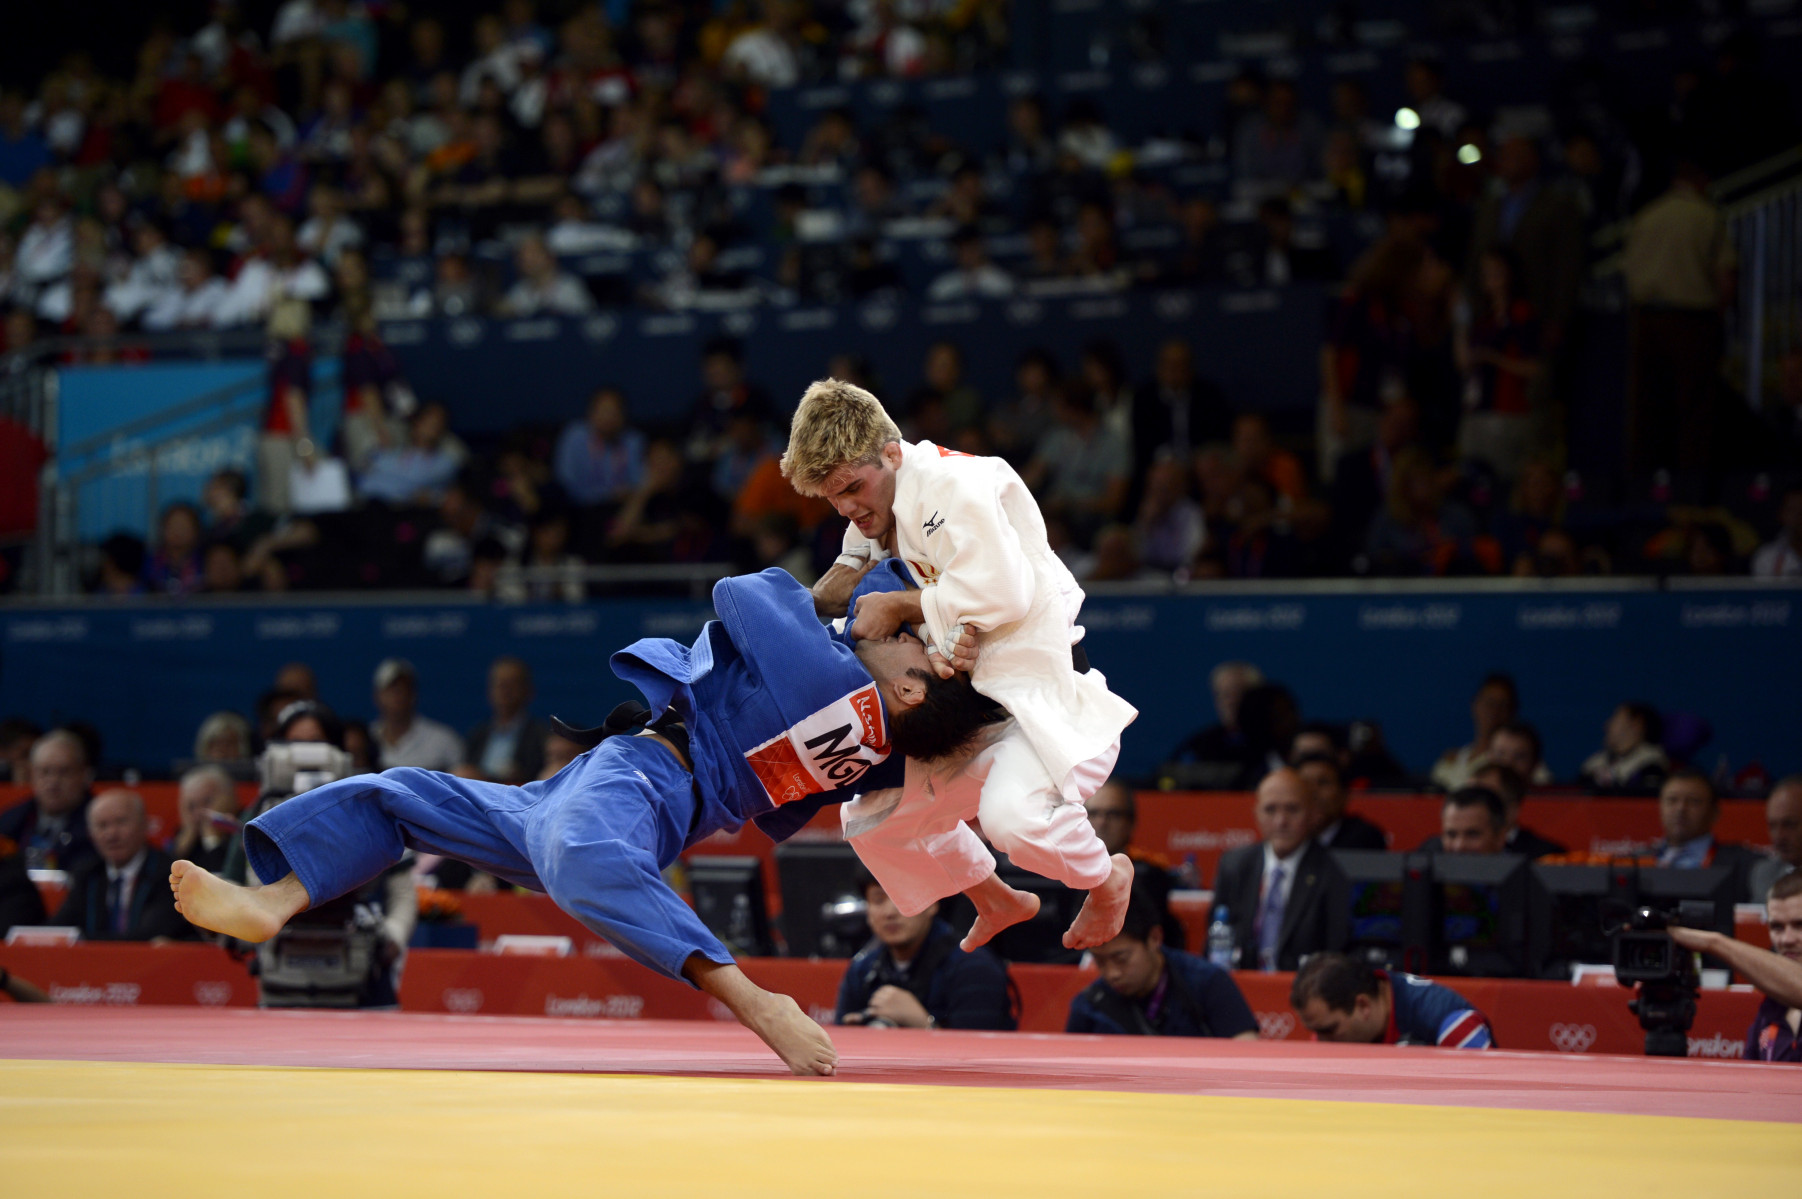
(916, 841)
(972, 537)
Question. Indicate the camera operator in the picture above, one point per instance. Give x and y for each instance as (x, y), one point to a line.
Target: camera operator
(378, 919)
(1773, 1036)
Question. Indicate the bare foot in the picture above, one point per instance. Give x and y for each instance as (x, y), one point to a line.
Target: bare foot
(247, 913)
(801, 1043)
(1105, 909)
(998, 906)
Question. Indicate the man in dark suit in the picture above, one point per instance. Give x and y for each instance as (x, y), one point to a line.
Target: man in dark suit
(1283, 897)
(1508, 783)
(1688, 808)
(124, 894)
(50, 827)
(1114, 814)
(19, 899)
(1333, 826)
(1173, 410)
(509, 747)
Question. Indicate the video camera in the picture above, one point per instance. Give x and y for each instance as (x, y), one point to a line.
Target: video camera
(331, 955)
(1664, 972)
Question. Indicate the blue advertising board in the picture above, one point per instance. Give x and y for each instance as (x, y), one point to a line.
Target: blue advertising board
(148, 673)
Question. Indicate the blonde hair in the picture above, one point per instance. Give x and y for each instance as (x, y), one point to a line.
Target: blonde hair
(837, 424)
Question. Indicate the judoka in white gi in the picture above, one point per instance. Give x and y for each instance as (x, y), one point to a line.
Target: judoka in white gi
(994, 599)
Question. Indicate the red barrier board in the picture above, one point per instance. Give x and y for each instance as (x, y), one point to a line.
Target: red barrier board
(1178, 825)
(1553, 1017)
(126, 975)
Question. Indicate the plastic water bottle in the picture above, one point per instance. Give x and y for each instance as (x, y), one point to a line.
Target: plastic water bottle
(1221, 950)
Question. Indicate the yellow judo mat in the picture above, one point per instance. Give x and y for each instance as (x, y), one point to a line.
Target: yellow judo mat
(115, 1129)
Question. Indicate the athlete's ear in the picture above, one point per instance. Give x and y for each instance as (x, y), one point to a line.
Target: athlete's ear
(907, 691)
(891, 454)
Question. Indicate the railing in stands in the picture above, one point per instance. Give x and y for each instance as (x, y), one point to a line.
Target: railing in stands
(1766, 227)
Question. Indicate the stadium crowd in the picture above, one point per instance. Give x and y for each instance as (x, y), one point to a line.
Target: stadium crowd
(351, 163)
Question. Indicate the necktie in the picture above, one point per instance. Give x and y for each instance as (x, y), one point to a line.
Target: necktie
(121, 906)
(1270, 923)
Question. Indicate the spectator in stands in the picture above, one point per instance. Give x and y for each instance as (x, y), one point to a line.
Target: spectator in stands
(1679, 266)
(374, 392)
(601, 458)
(209, 809)
(199, 299)
(1369, 339)
(1170, 528)
(1114, 815)
(402, 736)
(912, 974)
(1174, 412)
(287, 440)
(1261, 458)
(1781, 557)
(1271, 257)
(1283, 896)
(1472, 820)
(1630, 758)
(1361, 478)
(470, 543)
(542, 288)
(1148, 988)
(1496, 702)
(1773, 1036)
(17, 736)
(51, 826)
(1279, 148)
(417, 473)
(1329, 822)
(1015, 426)
(1339, 998)
(1498, 349)
(1783, 818)
(122, 894)
(1511, 788)
(1542, 231)
(508, 747)
(1220, 749)
(1688, 807)
(1421, 531)
(230, 518)
(725, 393)
(223, 737)
(1516, 745)
(174, 569)
(1081, 468)
(974, 277)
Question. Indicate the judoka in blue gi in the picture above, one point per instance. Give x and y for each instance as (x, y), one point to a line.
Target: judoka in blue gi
(766, 717)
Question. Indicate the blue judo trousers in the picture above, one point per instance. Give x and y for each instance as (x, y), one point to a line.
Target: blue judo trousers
(782, 720)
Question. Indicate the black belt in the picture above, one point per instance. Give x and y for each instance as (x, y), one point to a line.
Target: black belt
(629, 719)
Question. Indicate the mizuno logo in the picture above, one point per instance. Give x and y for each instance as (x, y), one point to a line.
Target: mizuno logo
(933, 523)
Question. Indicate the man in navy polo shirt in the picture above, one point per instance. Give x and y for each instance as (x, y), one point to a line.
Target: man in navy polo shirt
(1341, 999)
(1147, 989)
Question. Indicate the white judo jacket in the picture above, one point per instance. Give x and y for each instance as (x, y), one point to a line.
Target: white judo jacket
(972, 537)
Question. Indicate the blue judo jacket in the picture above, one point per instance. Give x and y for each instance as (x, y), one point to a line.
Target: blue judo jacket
(782, 718)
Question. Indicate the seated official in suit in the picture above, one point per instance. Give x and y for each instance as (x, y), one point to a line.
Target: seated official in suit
(1688, 808)
(1284, 898)
(1114, 814)
(1333, 826)
(124, 895)
(1150, 990)
(913, 975)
